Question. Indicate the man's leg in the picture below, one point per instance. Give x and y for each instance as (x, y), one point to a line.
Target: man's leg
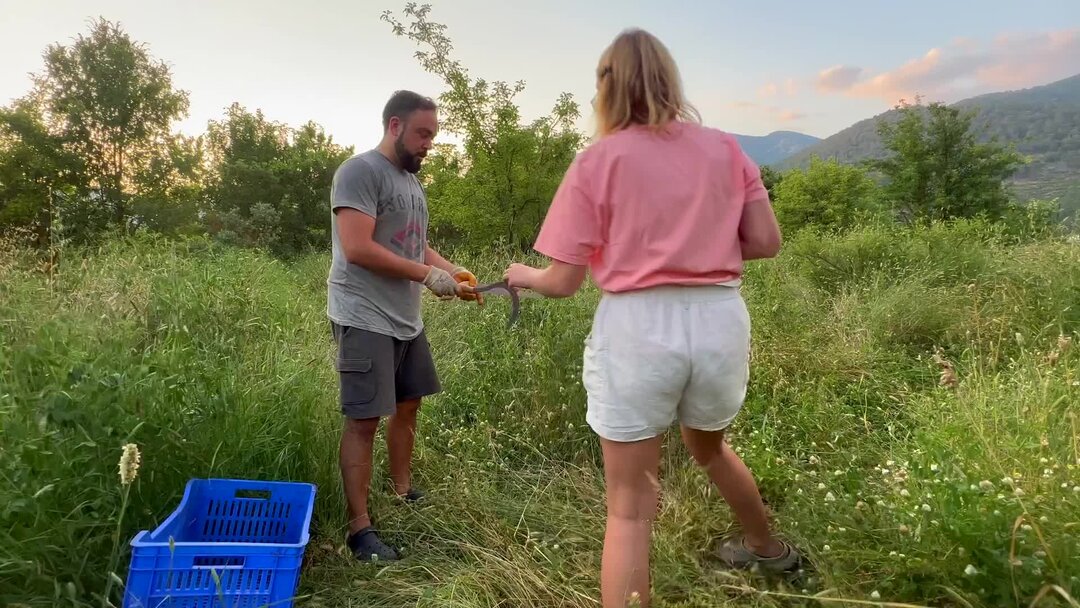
(416, 378)
(400, 437)
(355, 456)
(365, 365)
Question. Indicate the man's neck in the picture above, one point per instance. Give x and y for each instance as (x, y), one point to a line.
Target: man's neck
(386, 148)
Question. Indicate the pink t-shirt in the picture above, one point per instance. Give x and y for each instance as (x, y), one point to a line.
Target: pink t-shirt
(644, 209)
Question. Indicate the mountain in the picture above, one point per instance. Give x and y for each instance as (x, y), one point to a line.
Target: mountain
(775, 147)
(1042, 122)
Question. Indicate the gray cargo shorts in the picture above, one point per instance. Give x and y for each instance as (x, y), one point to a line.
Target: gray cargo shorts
(377, 372)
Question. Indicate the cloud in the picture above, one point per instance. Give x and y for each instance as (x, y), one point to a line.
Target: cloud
(838, 78)
(769, 111)
(789, 88)
(963, 68)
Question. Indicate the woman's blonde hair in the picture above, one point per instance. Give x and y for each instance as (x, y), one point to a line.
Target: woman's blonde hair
(637, 83)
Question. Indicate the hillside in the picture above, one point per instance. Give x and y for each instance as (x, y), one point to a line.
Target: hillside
(1042, 122)
(776, 146)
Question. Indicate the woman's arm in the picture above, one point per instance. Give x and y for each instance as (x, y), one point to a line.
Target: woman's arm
(558, 280)
(759, 232)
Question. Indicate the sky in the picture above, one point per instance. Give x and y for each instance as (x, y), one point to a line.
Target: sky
(750, 67)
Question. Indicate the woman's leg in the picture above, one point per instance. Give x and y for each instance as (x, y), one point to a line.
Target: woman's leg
(630, 471)
(736, 485)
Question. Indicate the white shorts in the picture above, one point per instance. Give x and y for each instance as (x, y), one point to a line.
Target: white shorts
(667, 352)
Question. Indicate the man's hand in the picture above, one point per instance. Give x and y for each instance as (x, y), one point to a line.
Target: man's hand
(441, 283)
(462, 275)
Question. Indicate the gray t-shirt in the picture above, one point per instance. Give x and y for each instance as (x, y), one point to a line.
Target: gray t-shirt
(357, 297)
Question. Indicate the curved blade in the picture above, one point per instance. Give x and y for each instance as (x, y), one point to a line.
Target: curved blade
(503, 289)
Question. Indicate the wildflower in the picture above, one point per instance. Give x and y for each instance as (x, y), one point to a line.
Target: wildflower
(1040, 554)
(905, 493)
(889, 463)
(129, 464)
(1076, 489)
(875, 595)
(970, 570)
(934, 467)
(884, 471)
(820, 486)
(826, 548)
(926, 508)
(904, 529)
(1044, 460)
(881, 503)
(860, 505)
(1026, 528)
(837, 473)
(1007, 481)
(842, 530)
(830, 498)
(1018, 492)
(1047, 472)
(799, 492)
(892, 553)
(813, 459)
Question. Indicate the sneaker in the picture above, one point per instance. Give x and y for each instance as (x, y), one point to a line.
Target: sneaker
(366, 546)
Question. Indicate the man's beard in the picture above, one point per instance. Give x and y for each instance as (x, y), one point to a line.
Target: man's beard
(409, 161)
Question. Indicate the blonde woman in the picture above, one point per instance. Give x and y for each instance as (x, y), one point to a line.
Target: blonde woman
(664, 212)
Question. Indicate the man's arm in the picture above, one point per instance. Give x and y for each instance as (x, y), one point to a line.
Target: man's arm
(432, 258)
(356, 230)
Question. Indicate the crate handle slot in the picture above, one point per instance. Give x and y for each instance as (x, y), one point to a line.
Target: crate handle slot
(218, 562)
(253, 494)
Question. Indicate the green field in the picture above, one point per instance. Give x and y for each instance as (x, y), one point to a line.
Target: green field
(218, 362)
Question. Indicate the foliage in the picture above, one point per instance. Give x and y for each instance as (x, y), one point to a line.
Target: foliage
(217, 361)
(113, 106)
(826, 195)
(498, 185)
(269, 184)
(938, 169)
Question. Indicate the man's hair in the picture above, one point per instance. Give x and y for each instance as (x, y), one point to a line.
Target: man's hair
(404, 103)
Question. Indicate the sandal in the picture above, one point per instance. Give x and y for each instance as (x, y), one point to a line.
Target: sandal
(734, 552)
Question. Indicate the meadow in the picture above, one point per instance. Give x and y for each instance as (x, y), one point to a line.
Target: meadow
(912, 421)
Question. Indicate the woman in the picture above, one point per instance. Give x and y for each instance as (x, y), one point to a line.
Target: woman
(663, 211)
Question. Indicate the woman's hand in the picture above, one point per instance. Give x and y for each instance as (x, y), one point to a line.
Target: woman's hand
(521, 276)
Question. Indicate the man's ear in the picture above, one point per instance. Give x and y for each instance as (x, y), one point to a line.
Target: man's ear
(395, 126)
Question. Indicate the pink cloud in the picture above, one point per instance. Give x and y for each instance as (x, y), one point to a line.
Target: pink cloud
(965, 67)
(770, 111)
(838, 78)
(789, 88)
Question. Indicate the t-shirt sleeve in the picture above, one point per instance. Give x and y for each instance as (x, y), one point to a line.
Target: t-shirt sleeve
(754, 187)
(356, 186)
(572, 230)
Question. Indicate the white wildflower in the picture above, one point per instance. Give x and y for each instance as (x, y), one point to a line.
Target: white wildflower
(830, 498)
(820, 486)
(970, 570)
(986, 485)
(905, 493)
(926, 508)
(1018, 492)
(1026, 527)
(934, 467)
(1007, 481)
(875, 595)
(813, 459)
(826, 548)
(890, 463)
(129, 463)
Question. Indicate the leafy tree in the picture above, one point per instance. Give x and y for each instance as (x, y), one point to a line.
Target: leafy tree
(269, 185)
(111, 104)
(36, 172)
(938, 169)
(499, 184)
(827, 194)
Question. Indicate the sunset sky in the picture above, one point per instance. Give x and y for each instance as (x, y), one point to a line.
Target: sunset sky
(750, 67)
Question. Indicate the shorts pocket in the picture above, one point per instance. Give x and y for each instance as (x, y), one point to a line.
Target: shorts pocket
(358, 383)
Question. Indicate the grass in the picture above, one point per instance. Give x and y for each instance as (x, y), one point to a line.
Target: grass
(217, 362)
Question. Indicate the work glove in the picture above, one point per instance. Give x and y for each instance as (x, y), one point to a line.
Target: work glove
(441, 283)
(462, 275)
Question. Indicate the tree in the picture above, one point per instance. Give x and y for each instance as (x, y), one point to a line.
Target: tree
(36, 173)
(269, 185)
(110, 104)
(499, 184)
(938, 169)
(827, 194)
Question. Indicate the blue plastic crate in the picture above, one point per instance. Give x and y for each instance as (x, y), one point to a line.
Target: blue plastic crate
(250, 535)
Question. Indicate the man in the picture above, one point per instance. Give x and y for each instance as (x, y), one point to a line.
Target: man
(379, 224)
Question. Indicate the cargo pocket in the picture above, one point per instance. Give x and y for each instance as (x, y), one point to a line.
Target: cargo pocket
(358, 382)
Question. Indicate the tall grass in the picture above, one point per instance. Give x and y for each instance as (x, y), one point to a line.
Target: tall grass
(217, 362)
